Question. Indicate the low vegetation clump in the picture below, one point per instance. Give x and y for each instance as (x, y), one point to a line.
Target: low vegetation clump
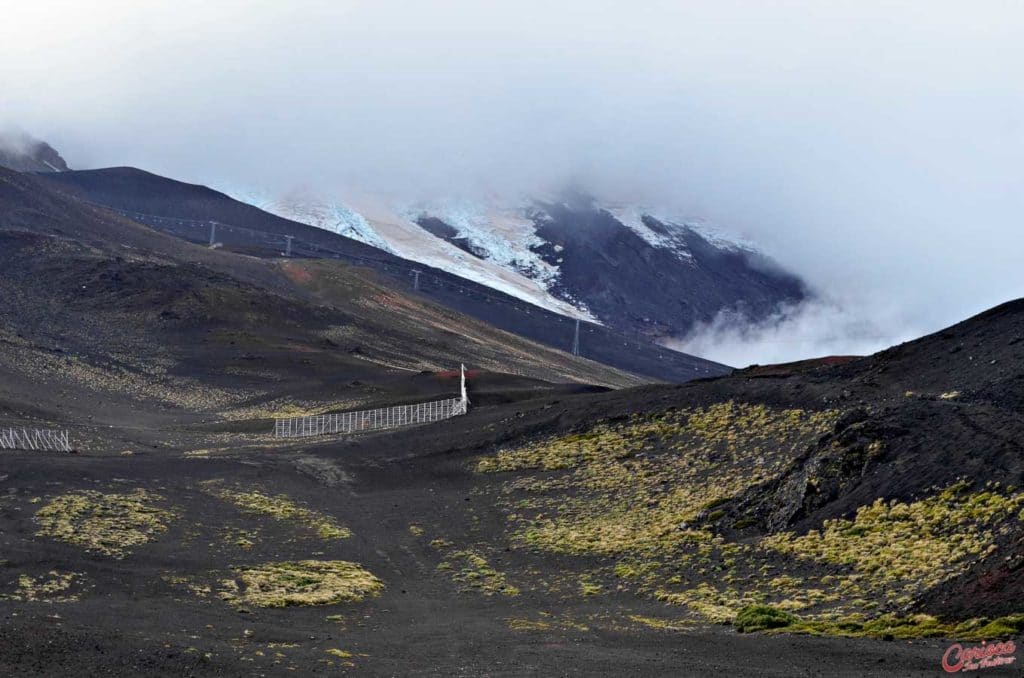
(568, 451)
(282, 507)
(653, 483)
(111, 524)
(899, 545)
(474, 573)
(710, 603)
(53, 587)
(773, 619)
(337, 652)
(128, 376)
(243, 539)
(589, 587)
(303, 582)
(516, 624)
(659, 623)
(1001, 627)
(193, 585)
(546, 622)
(761, 617)
(726, 422)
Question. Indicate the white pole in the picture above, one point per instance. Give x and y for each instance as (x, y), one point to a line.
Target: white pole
(465, 397)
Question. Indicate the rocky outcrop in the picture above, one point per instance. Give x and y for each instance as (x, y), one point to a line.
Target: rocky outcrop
(22, 153)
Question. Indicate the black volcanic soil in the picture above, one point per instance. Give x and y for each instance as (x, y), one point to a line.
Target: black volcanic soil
(134, 622)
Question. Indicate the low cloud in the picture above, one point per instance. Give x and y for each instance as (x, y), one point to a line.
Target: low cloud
(809, 330)
(15, 141)
(873, 147)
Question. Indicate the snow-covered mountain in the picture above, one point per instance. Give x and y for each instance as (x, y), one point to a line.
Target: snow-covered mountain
(625, 266)
(636, 270)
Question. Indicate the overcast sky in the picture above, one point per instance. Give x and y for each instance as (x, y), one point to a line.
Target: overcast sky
(877, 148)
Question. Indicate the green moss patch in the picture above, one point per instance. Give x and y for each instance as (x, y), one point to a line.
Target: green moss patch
(545, 622)
(571, 450)
(303, 582)
(772, 619)
(709, 603)
(111, 524)
(912, 626)
(243, 539)
(517, 624)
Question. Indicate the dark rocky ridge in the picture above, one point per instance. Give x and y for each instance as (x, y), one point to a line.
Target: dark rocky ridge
(638, 288)
(942, 407)
(439, 229)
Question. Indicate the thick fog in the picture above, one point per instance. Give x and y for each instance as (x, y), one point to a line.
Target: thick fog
(875, 148)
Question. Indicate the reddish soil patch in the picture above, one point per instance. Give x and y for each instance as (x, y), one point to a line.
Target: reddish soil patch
(298, 273)
(452, 374)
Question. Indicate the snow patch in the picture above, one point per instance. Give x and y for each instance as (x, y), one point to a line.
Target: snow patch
(676, 231)
(503, 236)
(672, 240)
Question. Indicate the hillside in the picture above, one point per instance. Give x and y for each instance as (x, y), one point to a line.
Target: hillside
(185, 210)
(555, 529)
(107, 322)
(847, 498)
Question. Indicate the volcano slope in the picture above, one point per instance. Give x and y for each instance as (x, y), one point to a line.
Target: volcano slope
(106, 323)
(554, 530)
(632, 532)
(186, 211)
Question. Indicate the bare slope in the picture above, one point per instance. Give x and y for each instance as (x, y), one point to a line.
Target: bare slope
(262, 234)
(105, 321)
